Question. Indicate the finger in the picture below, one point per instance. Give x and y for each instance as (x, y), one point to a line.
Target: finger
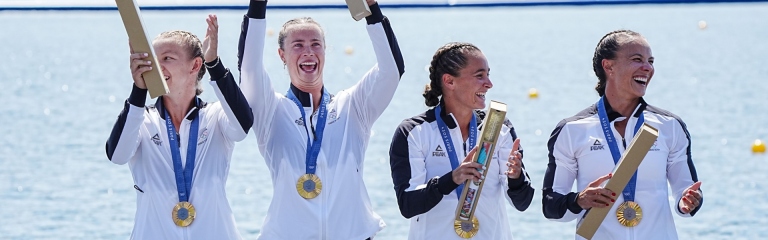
(695, 186)
(600, 180)
(135, 56)
(130, 46)
(694, 194)
(516, 145)
(141, 70)
(606, 193)
(471, 155)
(686, 210)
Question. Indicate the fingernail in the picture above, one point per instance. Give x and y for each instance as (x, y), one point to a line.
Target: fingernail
(149, 62)
(690, 191)
(150, 67)
(684, 199)
(610, 175)
(613, 194)
(607, 204)
(613, 200)
(146, 54)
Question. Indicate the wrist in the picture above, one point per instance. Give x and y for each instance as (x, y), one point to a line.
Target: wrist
(213, 63)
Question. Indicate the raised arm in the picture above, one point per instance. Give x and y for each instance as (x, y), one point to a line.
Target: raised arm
(376, 89)
(125, 137)
(681, 173)
(255, 83)
(238, 117)
(512, 170)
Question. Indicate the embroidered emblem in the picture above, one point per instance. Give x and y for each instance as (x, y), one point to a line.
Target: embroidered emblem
(439, 152)
(597, 145)
(157, 140)
(203, 137)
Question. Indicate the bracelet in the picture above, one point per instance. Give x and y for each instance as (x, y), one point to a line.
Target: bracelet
(214, 65)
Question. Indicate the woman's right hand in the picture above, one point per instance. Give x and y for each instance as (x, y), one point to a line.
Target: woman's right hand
(467, 169)
(139, 66)
(596, 196)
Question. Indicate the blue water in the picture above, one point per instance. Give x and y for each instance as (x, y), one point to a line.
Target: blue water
(65, 76)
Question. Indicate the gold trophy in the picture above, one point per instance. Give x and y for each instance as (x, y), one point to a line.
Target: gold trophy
(129, 12)
(359, 9)
(466, 224)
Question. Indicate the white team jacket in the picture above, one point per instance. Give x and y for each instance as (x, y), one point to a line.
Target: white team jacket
(140, 139)
(578, 151)
(343, 209)
(426, 193)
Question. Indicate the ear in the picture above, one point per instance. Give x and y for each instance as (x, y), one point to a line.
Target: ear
(448, 81)
(197, 65)
(607, 66)
(281, 52)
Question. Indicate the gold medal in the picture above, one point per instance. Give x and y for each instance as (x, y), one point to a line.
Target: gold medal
(629, 214)
(466, 229)
(183, 214)
(309, 186)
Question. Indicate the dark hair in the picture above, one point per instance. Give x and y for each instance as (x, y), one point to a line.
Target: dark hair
(296, 21)
(194, 48)
(606, 49)
(450, 58)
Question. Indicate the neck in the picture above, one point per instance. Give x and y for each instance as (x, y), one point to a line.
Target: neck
(177, 108)
(623, 105)
(463, 118)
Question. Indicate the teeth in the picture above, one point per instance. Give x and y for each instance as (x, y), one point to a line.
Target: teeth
(480, 94)
(308, 64)
(641, 79)
(166, 78)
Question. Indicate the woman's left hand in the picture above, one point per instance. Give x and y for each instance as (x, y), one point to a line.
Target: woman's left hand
(515, 161)
(211, 42)
(691, 198)
(370, 2)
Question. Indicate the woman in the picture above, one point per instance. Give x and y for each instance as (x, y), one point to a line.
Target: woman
(426, 150)
(179, 149)
(314, 142)
(579, 150)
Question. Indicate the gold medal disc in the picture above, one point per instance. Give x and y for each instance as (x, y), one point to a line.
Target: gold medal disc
(629, 214)
(466, 229)
(309, 186)
(183, 214)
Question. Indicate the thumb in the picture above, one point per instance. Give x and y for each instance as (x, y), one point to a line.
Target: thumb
(600, 180)
(516, 145)
(471, 155)
(695, 186)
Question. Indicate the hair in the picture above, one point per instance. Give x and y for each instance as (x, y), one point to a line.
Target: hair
(450, 58)
(606, 49)
(192, 45)
(296, 21)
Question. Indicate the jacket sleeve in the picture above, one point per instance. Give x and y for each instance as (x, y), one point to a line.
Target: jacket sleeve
(415, 194)
(255, 83)
(374, 92)
(238, 117)
(558, 202)
(518, 191)
(681, 173)
(126, 135)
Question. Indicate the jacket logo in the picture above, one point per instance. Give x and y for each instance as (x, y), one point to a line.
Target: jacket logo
(439, 152)
(300, 121)
(332, 116)
(203, 137)
(157, 140)
(654, 147)
(597, 145)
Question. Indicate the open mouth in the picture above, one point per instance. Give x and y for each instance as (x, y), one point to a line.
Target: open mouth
(480, 95)
(308, 66)
(641, 80)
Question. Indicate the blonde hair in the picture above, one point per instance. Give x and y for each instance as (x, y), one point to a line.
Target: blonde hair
(192, 45)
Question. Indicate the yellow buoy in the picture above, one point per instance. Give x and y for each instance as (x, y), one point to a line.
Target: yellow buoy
(270, 32)
(702, 24)
(533, 93)
(758, 146)
(349, 50)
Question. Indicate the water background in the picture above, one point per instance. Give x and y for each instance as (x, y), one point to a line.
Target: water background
(65, 76)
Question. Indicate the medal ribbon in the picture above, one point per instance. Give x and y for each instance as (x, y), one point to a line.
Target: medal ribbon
(629, 190)
(313, 147)
(448, 142)
(183, 174)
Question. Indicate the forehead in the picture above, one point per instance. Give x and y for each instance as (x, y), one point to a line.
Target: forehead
(475, 61)
(635, 45)
(304, 31)
(167, 45)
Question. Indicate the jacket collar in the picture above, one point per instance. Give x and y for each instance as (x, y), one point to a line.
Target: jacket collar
(304, 98)
(199, 103)
(613, 115)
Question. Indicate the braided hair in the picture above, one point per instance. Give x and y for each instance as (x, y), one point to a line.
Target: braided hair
(606, 49)
(450, 58)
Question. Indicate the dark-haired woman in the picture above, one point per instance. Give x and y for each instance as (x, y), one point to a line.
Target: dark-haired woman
(431, 153)
(314, 142)
(586, 147)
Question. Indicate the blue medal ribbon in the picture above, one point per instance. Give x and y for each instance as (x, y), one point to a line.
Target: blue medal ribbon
(183, 174)
(448, 142)
(629, 190)
(313, 147)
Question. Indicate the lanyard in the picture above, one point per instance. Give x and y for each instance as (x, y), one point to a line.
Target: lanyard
(448, 142)
(629, 190)
(183, 175)
(313, 147)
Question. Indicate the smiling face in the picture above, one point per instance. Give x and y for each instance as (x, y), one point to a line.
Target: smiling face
(631, 71)
(179, 68)
(303, 52)
(467, 91)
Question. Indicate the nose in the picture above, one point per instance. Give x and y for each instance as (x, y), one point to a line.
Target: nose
(647, 66)
(308, 52)
(488, 84)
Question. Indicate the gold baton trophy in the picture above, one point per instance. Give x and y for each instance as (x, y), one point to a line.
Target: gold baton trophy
(466, 224)
(359, 9)
(129, 12)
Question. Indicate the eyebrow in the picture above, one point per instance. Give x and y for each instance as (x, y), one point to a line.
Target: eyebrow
(301, 40)
(481, 70)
